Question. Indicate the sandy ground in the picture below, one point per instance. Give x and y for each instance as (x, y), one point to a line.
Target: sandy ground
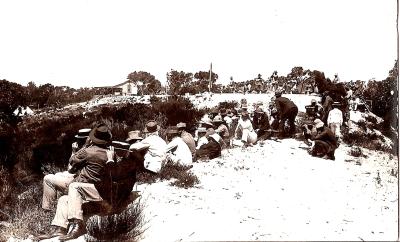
(278, 192)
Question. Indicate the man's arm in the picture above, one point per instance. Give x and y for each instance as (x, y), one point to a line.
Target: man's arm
(77, 161)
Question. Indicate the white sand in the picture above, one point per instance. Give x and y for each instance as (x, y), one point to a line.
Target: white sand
(277, 192)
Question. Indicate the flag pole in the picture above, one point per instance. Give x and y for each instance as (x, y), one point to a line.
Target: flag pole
(210, 81)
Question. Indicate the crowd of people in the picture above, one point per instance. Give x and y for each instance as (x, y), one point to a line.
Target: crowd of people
(98, 172)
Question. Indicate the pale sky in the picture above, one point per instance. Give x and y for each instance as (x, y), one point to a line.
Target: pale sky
(98, 43)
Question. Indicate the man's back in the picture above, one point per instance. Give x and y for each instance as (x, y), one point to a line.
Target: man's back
(182, 150)
(284, 104)
(189, 140)
(89, 163)
(157, 145)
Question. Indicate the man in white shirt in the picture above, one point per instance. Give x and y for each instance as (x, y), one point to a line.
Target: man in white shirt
(155, 155)
(177, 150)
(202, 139)
(249, 136)
(335, 119)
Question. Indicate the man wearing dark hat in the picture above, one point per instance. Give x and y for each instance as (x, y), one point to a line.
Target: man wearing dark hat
(89, 166)
(261, 124)
(287, 110)
(187, 138)
(53, 183)
(177, 150)
(155, 155)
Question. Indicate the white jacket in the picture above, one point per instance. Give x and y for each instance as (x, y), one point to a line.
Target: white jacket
(335, 116)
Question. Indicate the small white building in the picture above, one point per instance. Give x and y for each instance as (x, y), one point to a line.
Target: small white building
(126, 88)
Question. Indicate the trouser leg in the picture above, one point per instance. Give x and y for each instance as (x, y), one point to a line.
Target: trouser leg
(53, 183)
(79, 193)
(61, 216)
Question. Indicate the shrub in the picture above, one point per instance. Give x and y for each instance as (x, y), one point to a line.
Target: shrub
(356, 152)
(184, 177)
(228, 105)
(126, 226)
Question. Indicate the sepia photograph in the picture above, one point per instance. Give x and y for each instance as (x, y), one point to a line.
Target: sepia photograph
(177, 120)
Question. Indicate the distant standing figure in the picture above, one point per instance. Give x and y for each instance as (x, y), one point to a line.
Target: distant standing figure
(335, 119)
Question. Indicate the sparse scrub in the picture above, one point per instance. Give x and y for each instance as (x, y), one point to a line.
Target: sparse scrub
(184, 177)
(356, 152)
(26, 215)
(128, 225)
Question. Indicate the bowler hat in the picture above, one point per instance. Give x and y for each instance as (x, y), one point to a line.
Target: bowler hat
(133, 135)
(151, 127)
(83, 134)
(100, 135)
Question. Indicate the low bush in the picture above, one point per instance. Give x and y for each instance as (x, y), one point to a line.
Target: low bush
(184, 178)
(126, 226)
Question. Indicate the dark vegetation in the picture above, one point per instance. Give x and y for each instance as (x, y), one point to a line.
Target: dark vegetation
(42, 143)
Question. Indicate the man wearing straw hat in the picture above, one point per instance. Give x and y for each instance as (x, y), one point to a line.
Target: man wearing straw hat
(202, 139)
(177, 150)
(222, 130)
(134, 136)
(212, 149)
(53, 183)
(248, 136)
(324, 143)
(187, 138)
(155, 155)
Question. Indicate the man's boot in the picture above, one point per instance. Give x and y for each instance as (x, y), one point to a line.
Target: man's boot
(54, 232)
(77, 229)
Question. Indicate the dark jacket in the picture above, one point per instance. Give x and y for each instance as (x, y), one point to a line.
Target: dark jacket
(284, 105)
(261, 121)
(88, 163)
(327, 136)
(120, 177)
(211, 150)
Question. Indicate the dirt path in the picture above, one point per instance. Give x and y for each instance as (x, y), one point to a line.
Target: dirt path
(278, 192)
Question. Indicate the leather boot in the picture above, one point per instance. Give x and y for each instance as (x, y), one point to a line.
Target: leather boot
(54, 232)
(77, 229)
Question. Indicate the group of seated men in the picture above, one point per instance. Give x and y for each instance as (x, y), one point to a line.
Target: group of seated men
(88, 175)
